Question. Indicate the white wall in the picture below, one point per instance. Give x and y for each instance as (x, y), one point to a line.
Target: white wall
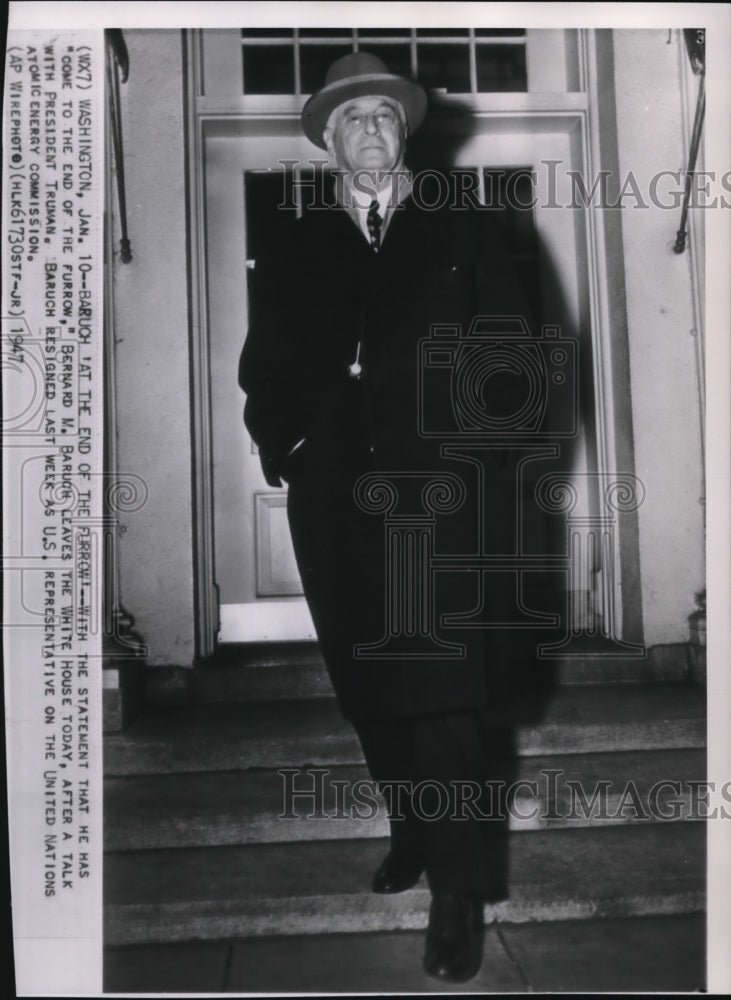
(152, 354)
(660, 318)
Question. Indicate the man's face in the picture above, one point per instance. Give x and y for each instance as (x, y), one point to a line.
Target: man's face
(368, 133)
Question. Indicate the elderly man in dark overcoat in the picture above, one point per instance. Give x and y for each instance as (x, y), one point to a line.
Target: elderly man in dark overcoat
(333, 372)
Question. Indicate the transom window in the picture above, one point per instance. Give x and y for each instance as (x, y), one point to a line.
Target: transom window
(451, 60)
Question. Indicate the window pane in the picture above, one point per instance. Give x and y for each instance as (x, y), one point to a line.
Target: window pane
(316, 188)
(501, 68)
(269, 209)
(500, 32)
(396, 57)
(384, 33)
(515, 193)
(266, 33)
(315, 60)
(268, 69)
(441, 32)
(510, 191)
(446, 66)
(345, 33)
(464, 187)
(271, 204)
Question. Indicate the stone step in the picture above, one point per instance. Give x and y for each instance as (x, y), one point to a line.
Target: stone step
(268, 671)
(246, 807)
(658, 955)
(323, 887)
(240, 735)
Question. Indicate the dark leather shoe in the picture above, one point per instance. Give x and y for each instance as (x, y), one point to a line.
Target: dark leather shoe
(394, 875)
(453, 950)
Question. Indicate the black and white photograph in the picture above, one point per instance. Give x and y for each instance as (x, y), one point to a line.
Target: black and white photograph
(366, 533)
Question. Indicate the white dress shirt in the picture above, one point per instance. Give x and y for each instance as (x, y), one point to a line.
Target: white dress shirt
(394, 188)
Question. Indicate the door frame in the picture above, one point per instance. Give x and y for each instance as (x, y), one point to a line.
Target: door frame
(591, 126)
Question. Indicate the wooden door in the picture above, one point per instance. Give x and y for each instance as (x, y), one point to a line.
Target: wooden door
(259, 588)
(248, 188)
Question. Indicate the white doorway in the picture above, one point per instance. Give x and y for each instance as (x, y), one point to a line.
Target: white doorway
(247, 183)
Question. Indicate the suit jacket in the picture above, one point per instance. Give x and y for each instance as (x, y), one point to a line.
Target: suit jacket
(313, 301)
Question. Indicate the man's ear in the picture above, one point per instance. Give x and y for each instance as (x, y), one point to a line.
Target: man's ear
(327, 135)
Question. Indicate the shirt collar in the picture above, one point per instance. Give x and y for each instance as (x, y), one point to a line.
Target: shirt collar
(355, 192)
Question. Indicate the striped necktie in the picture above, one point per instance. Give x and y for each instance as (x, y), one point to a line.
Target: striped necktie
(374, 222)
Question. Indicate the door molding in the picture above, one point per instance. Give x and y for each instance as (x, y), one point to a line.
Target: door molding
(591, 127)
(610, 342)
(205, 590)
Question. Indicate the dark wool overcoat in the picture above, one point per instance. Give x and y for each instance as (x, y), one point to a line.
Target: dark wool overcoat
(377, 601)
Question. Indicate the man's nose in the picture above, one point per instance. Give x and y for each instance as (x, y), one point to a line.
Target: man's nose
(371, 124)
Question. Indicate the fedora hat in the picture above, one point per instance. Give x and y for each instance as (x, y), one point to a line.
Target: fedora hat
(360, 74)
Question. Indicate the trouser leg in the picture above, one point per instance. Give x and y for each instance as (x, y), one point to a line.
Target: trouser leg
(388, 750)
(450, 759)
(440, 760)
